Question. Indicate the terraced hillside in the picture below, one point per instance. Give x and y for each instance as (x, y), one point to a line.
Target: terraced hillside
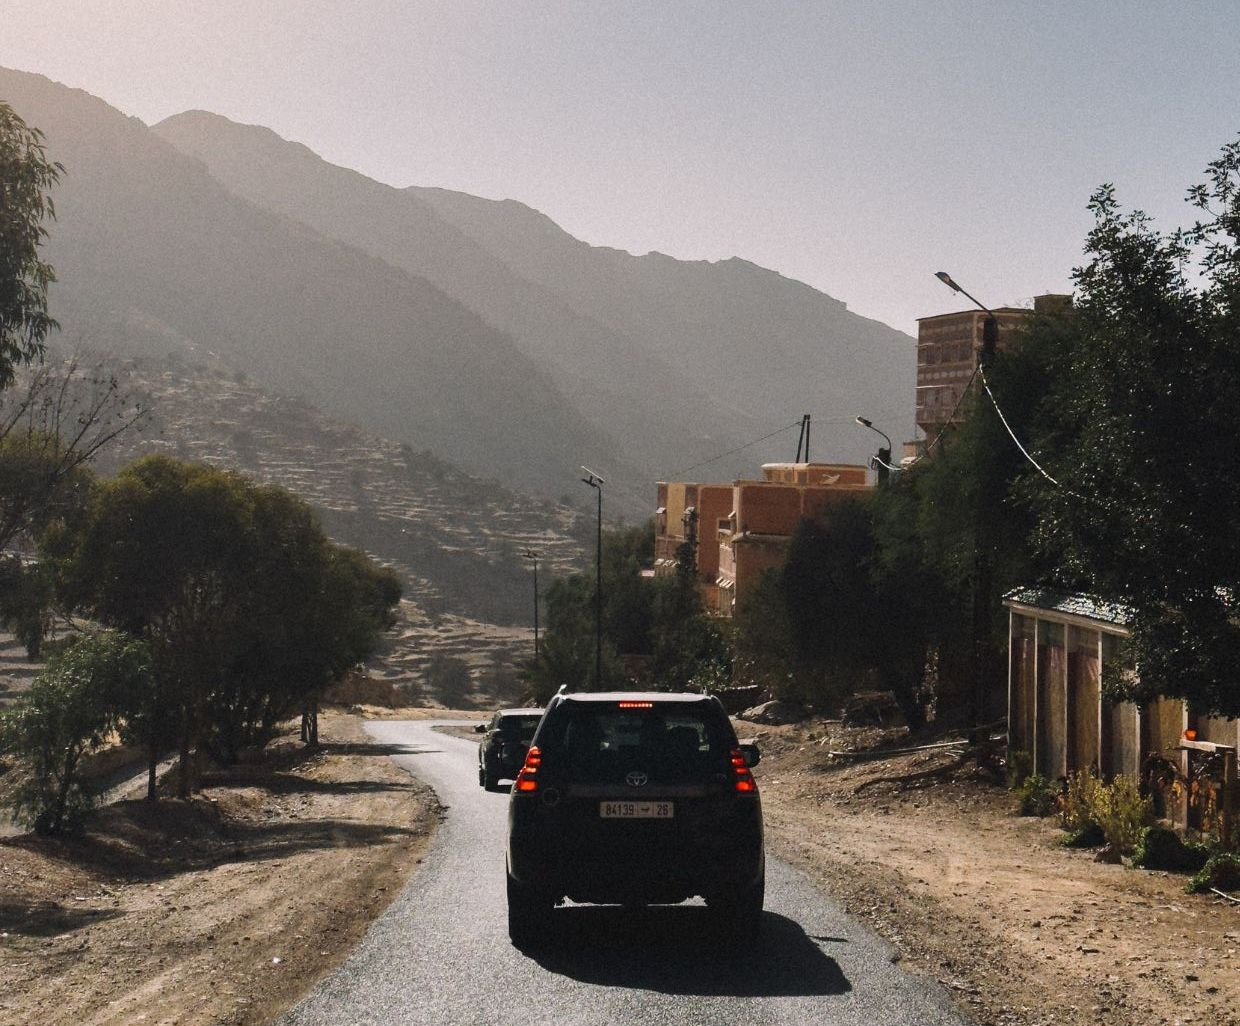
(457, 540)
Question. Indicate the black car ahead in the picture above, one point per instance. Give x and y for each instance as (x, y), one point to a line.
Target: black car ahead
(502, 752)
(635, 798)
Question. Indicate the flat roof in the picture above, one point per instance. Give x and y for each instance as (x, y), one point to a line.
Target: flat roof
(1070, 606)
(979, 313)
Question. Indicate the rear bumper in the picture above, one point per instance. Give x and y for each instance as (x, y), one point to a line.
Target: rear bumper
(556, 863)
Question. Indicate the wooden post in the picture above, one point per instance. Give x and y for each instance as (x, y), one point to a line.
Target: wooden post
(1229, 801)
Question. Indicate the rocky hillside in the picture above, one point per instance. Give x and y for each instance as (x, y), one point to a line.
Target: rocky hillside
(456, 539)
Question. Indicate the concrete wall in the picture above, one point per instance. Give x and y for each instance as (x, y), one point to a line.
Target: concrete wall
(828, 474)
(754, 556)
(714, 503)
(1122, 739)
(1024, 664)
(763, 508)
(1084, 698)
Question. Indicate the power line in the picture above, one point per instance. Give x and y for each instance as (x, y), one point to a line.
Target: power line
(951, 417)
(739, 448)
(1025, 452)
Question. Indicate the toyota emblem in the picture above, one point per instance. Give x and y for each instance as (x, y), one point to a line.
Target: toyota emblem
(636, 779)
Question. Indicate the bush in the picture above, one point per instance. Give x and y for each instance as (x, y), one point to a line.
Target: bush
(1037, 796)
(1122, 812)
(69, 712)
(1019, 767)
(1221, 871)
(1078, 804)
(1088, 836)
(1160, 848)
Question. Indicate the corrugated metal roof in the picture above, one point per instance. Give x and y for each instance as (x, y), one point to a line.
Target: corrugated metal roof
(1071, 604)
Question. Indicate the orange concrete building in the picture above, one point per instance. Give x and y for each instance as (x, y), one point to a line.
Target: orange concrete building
(741, 530)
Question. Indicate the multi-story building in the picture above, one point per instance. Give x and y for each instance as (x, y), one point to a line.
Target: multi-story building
(739, 531)
(947, 352)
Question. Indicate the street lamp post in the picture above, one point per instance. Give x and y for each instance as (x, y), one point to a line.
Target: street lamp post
(594, 481)
(981, 562)
(532, 556)
(882, 463)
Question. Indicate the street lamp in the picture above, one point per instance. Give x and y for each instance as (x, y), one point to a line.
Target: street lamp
(981, 564)
(882, 462)
(990, 326)
(532, 556)
(594, 481)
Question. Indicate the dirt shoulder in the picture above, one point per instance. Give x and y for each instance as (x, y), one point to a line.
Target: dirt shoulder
(222, 910)
(1022, 930)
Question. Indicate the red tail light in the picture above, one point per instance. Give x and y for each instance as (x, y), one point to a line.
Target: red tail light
(635, 705)
(742, 777)
(527, 779)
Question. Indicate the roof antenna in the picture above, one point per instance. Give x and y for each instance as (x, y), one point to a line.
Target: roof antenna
(803, 439)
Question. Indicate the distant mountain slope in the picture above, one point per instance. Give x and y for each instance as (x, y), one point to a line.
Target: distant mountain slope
(765, 342)
(456, 540)
(678, 359)
(658, 409)
(153, 255)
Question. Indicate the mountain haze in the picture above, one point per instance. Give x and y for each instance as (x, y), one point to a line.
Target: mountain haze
(678, 359)
(153, 254)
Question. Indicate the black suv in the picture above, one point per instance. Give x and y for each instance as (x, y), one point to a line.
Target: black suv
(502, 752)
(635, 798)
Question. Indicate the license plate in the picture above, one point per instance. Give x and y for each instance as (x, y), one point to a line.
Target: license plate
(635, 810)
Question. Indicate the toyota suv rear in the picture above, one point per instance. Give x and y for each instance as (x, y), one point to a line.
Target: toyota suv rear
(635, 798)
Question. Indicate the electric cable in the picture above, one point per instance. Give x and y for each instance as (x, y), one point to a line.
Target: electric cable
(951, 417)
(1012, 434)
(731, 452)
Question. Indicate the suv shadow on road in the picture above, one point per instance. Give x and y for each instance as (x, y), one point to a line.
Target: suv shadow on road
(680, 949)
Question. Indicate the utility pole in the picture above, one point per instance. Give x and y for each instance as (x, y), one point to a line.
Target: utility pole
(532, 556)
(594, 481)
(981, 558)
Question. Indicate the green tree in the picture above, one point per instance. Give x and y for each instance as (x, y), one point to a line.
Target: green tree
(1147, 391)
(26, 180)
(70, 710)
(248, 609)
(640, 618)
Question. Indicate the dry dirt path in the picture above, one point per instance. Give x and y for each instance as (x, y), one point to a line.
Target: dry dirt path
(440, 954)
(220, 911)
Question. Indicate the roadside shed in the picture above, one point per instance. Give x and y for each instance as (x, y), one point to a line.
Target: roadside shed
(1059, 721)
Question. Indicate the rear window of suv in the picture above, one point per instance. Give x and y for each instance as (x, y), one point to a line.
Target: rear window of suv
(670, 741)
(520, 727)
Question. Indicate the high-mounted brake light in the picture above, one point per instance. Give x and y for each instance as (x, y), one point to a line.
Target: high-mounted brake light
(742, 776)
(527, 782)
(636, 705)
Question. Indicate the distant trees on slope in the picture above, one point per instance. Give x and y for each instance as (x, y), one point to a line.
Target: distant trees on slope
(208, 608)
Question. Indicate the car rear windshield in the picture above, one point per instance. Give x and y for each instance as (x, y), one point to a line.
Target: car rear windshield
(520, 727)
(670, 740)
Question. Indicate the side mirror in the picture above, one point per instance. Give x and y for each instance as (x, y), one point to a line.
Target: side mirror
(751, 754)
(480, 728)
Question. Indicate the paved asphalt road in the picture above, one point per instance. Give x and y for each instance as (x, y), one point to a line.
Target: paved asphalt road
(440, 954)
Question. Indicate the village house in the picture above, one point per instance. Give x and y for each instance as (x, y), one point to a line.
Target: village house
(1060, 722)
(739, 531)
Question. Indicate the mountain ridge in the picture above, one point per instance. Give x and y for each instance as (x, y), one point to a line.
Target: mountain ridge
(153, 253)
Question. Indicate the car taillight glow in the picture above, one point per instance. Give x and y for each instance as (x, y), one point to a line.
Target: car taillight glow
(742, 776)
(527, 782)
(636, 705)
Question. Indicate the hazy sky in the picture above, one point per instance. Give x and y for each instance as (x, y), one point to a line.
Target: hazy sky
(856, 146)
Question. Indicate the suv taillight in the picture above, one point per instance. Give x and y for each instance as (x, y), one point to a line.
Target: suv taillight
(742, 777)
(527, 779)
